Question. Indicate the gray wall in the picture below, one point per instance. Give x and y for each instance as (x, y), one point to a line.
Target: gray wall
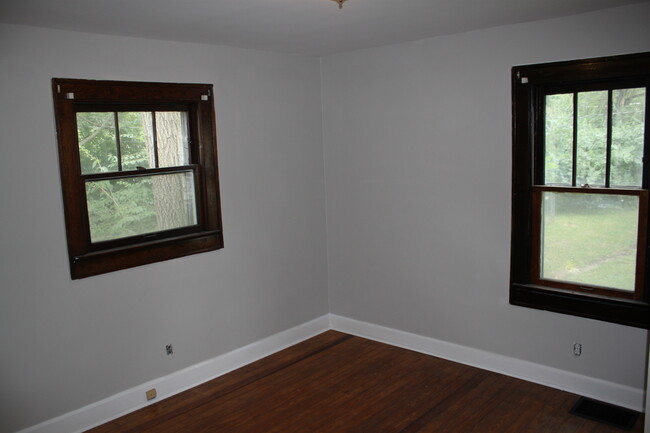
(417, 141)
(65, 344)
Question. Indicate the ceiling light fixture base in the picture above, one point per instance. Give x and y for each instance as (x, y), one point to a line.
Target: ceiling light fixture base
(340, 2)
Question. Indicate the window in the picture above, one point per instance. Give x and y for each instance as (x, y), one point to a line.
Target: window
(139, 172)
(580, 188)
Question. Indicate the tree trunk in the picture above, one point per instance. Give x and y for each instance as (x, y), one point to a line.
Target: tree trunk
(173, 195)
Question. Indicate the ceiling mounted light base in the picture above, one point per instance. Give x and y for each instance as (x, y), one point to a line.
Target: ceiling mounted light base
(340, 2)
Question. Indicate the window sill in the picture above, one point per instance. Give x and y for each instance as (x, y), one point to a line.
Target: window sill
(100, 262)
(615, 310)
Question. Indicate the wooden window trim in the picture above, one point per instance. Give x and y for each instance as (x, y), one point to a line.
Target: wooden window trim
(88, 259)
(529, 84)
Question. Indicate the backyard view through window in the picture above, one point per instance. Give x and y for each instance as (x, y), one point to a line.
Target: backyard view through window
(590, 239)
(593, 140)
(125, 144)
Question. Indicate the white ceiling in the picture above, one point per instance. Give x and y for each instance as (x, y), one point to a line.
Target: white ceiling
(310, 27)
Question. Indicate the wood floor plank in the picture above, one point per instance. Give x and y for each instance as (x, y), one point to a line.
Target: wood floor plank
(552, 416)
(170, 408)
(320, 390)
(337, 383)
(465, 410)
(426, 387)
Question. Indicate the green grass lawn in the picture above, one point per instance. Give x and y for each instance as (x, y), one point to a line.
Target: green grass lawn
(596, 247)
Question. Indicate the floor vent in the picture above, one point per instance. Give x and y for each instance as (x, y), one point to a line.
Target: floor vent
(605, 413)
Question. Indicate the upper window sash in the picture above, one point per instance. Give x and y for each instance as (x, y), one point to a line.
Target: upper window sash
(561, 152)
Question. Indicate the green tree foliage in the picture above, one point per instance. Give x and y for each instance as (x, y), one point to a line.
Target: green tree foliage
(628, 116)
(559, 139)
(628, 113)
(120, 207)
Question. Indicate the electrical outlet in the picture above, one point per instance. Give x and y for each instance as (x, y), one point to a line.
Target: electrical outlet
(169, 349)
(151, 394)
(577, 349)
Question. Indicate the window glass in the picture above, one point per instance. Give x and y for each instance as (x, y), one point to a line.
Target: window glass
(559, 139)
(136, 140)
(589, 239)
(97, 142)
(130, 206)
(592, 138)
(628, 118)
(171, 130)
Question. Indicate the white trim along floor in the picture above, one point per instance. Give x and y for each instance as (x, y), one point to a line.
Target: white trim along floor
(132, 399)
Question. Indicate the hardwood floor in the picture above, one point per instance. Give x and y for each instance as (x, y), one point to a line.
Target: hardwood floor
(344, 384)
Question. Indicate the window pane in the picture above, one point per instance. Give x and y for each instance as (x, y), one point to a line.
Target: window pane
(628, 118)
(136, 140)
(592, 138)
(97, 144)
(558, 137)
(590, 239)
(173, 146)
(119, 208)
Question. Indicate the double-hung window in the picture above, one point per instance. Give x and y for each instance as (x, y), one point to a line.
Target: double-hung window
(580, 188)
(138, 170)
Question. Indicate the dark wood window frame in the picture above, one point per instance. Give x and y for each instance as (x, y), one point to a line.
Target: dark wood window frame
(88, 258)
(530, 84)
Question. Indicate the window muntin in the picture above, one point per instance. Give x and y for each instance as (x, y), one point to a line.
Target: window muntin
(139, 172)
(580, 138)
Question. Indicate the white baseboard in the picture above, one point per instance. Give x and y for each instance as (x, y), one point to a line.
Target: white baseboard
(133, 399)
(127, 401)
(598, 389)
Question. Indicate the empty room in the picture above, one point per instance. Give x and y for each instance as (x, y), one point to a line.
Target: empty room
(398, 216)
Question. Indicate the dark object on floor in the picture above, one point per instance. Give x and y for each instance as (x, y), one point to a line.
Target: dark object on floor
(605, 413)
